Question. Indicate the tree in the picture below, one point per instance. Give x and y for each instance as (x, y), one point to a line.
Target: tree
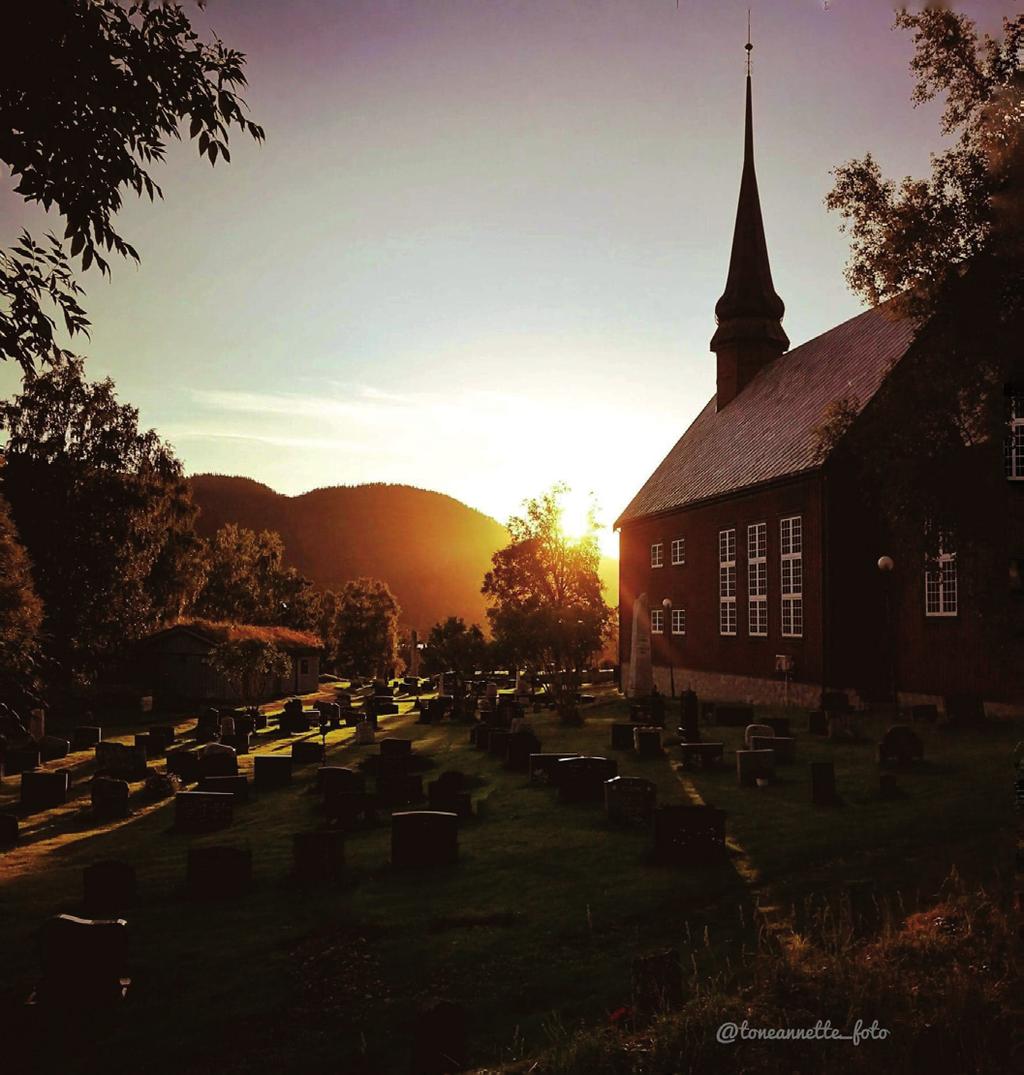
(103, 511)
(21, 614)
(547, 608)
(948, 251)
(367, 628)
(248, 665)
(90, 93)
(453, 647)
(247, 582)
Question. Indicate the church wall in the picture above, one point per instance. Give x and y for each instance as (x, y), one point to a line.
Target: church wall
(730, 666)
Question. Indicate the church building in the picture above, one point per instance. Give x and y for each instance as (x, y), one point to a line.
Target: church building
(751, 554)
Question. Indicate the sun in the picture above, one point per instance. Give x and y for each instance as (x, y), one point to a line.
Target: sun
(575, 514)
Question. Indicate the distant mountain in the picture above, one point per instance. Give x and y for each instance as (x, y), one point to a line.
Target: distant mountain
(431, 550)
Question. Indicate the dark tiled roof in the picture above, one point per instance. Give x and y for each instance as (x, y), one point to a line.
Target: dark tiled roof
(767, 431)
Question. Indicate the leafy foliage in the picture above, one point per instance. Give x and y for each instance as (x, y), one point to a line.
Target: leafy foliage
(454, 647)
(366, 627)
(103, 511)
(921, 233)
(547, 609)
(948, 251)
(90, 93)
(21, 612)
(248, 665)
(247, 582)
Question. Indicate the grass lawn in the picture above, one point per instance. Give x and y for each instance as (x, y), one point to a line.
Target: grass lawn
(539, 921)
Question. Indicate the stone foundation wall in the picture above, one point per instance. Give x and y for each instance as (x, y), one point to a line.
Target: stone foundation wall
(716, 686)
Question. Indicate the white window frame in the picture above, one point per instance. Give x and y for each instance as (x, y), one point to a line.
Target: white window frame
(679, 621)
(941, 588)
(657, 621)
(658, 554)
(791, 567)
(678, 551)
(757, 580)
(727, 583)
(1015, 440)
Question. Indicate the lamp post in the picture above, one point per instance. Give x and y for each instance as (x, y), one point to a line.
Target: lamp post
(667, 606)
(886, 566)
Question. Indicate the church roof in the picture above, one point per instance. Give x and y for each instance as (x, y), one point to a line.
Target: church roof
(767, 431)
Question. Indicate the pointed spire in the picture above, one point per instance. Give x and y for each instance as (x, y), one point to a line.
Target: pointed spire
(749, 310)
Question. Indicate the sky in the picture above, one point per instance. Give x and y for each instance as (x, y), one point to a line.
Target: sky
(480, 249)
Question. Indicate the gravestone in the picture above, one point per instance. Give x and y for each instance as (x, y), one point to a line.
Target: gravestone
(835, 702)
(207, 726)
(647, 741)
(219, 871)
(733, 716)
(319, 855)
(448, 794)
(365, 733)
(84, 962)
(239, 742)
(688, 835)
(640, 678)
(336, 778)
(121, 761)
(622, 736)
(8, 830)
(689, 704)
(439, 1038)
(227, 726)
(518, 749)
(424, 838)
(109, 797)
(42, 790)
(108, 887)
(779, 725)
(817, 722)
(784, 747)
(203, 811)
(542, 766)
(823, 783)
(307, 752)
(245, 725)
(900, 746)
(85, 737)
(964, 710)
(161, 785)
(483, 737)
(762, 730)
(236, 786)
(164, 734)
(498, 744)
(53, 748)
(754, 765)
(926, 714)
(392, 747)
(152, 745)
(271, 771)
(217, 759)
(581, 780)
(21, 760)
(629, 800)
(184, 764)
(710, 755)
(657, 982)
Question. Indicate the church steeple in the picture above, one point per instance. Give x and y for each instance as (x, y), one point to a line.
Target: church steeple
(749, 313)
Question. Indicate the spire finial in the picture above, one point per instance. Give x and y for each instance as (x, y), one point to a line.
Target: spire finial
(748, 46)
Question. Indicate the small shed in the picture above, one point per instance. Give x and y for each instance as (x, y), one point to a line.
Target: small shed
(174, 661)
